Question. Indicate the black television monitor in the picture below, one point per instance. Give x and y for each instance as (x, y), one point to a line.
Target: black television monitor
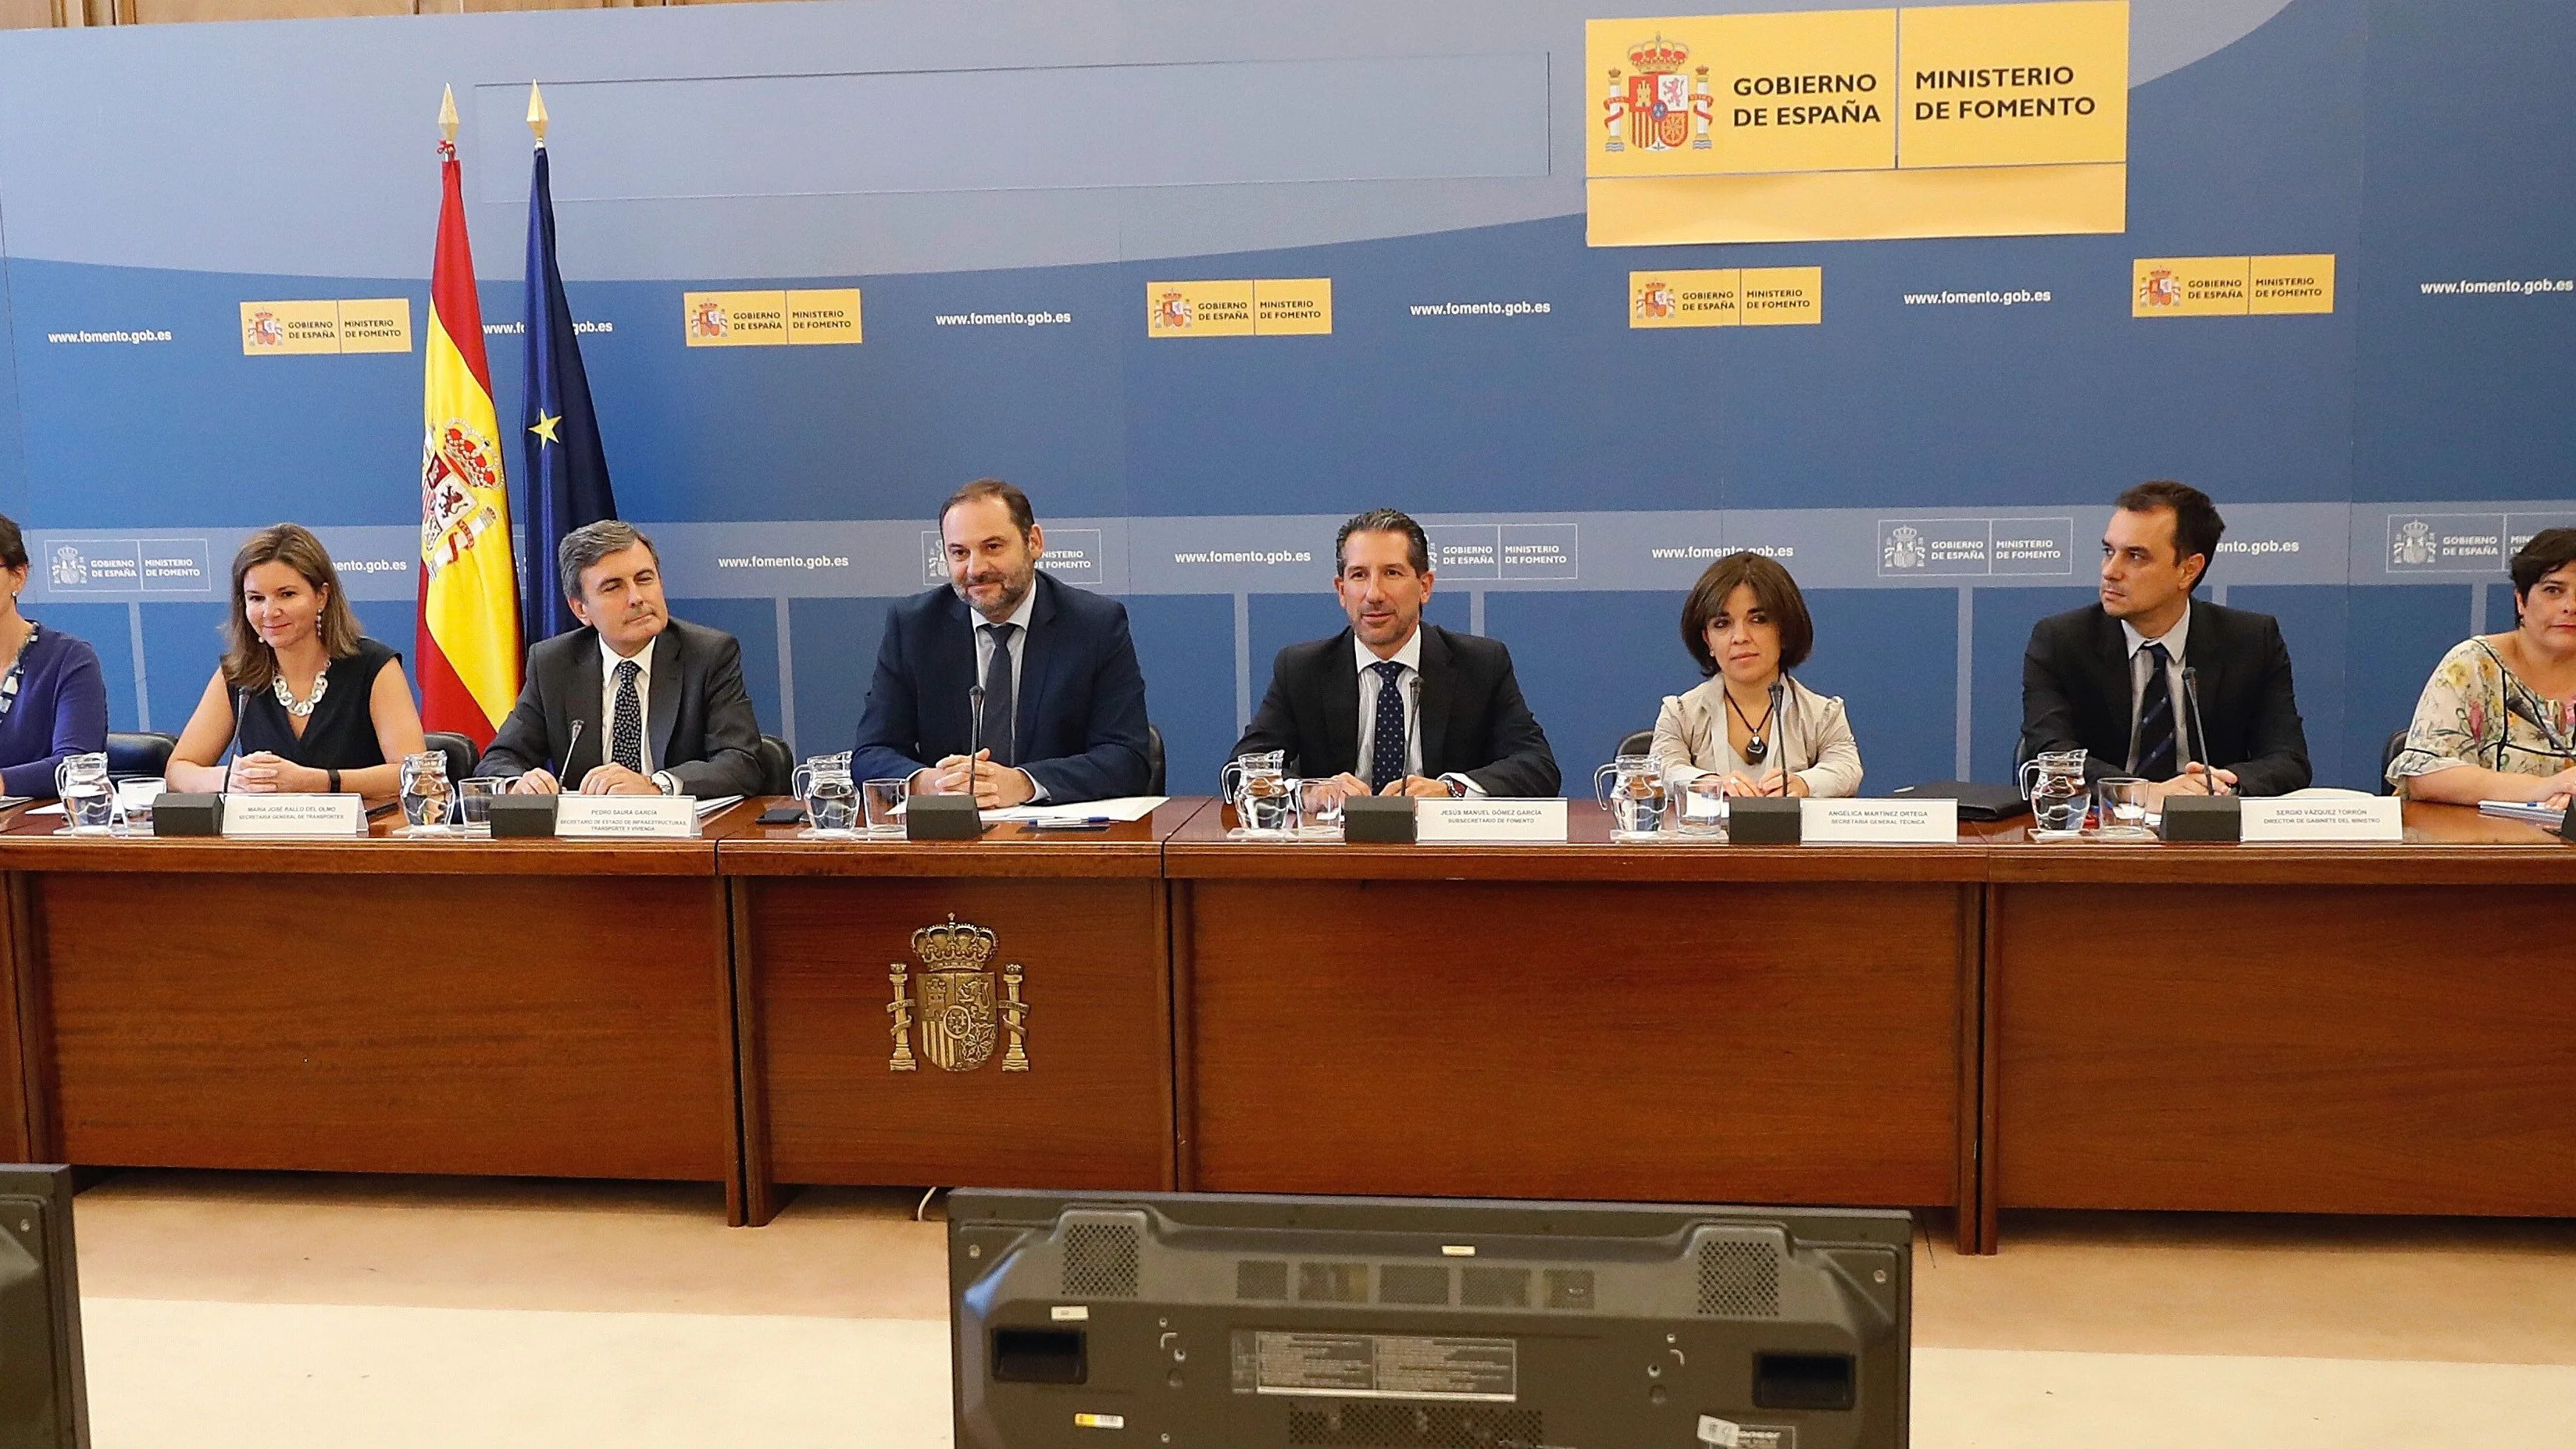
(1220, 1321)
(43, 1402)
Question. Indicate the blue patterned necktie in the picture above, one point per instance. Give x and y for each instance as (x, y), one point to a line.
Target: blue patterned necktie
(626, 728)
(1386, 736)
(2156, 751)
(1000, 709)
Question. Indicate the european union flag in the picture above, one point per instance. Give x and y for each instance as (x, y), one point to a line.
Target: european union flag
(566, 472)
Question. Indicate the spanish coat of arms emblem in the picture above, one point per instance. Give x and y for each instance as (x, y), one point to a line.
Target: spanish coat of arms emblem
(954, 1002)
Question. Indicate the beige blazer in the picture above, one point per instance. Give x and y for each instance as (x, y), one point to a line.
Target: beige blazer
(1690, 739)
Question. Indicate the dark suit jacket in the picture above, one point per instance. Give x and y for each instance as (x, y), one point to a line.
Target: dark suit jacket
(697, 717)
(1473, 721)
(1080, 726)
(2075, 694)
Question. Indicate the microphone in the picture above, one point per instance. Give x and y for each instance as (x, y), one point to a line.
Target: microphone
(232, 747)
(975, 738)
(1780, 729)
(570, 745)
(2191, 697)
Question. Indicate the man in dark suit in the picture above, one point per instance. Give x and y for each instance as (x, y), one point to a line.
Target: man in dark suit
(2108, 678)
(1394, 706)
(1062, 703)
(635, 702)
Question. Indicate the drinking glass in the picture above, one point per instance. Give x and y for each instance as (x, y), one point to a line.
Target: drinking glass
(474, 802)
(1319, 804)
(88, 796)
(428, 800)
(1699, 806)
(2122, 808)
(883, 802)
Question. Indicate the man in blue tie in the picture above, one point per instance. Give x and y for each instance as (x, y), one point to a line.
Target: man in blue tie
(2108, 678)
(1004, 681)
(1394, 706)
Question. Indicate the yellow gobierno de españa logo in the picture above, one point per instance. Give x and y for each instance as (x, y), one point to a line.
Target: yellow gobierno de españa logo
(2273, 286)
(1727, 297)
(1269, 307)
(1804, 125)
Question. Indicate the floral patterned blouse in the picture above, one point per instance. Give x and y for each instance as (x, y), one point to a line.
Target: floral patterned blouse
(2475, 711)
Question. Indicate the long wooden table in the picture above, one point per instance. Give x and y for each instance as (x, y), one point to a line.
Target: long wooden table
(839, 1086)
(1663, 1021)
(2312, 1028)
(1989, 1024)
(387, 1005)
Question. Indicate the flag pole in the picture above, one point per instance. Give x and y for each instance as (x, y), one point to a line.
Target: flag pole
(537, 112)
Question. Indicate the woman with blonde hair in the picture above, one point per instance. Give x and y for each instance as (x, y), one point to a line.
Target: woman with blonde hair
(317, 706)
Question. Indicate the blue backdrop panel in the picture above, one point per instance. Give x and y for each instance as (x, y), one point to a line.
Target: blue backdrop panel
(1421, 157)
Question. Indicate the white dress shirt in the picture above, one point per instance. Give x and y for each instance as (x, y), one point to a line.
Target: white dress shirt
(1410, 656)
(2141, 665)
(1019, 651)
(642, 659)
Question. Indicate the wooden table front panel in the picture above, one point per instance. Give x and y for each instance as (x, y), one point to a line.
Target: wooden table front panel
(562, 1026)
(1750, 1042)
(2283, 1048)
(1094, 1109)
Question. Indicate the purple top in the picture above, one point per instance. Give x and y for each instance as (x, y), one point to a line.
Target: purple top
(59, 709)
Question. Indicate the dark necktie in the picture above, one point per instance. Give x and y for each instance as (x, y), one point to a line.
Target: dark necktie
(1386, 736)
(2156, 754)
(999, 707)
(626, 728)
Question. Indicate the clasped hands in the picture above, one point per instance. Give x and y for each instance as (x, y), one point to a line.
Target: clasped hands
(265, 772)
(2194, 780)
(602, 780)
(1348, 785)
(997, 787)
(1775, 783)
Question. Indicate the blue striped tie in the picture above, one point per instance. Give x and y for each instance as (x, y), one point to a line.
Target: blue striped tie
(2156, 753)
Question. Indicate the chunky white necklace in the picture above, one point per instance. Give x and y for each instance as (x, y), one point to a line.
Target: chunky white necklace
(286, 697)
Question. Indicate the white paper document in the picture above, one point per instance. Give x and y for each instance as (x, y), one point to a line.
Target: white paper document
(1123, 809)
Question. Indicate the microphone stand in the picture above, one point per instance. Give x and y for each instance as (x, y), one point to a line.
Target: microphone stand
(974, 738)
(1780, 728)
(2191, 696)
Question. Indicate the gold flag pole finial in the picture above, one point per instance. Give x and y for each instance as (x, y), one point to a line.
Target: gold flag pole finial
(537, 112)
(447, 117)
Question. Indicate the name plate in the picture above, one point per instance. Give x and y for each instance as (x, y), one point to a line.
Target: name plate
(2370, 818)
(626, 817)
(1879, 822)
(1456, 822)
(294, 817)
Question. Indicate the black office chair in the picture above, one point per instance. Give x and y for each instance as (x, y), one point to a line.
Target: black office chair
(1153, 761)
(2388, 754)
(143, 754)
(777, 766)
(1637, 742)
(459, 750)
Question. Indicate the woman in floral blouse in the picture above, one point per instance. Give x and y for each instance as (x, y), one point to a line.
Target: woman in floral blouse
(2498, 718)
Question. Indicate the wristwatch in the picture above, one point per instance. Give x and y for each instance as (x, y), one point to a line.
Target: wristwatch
(1457, 788)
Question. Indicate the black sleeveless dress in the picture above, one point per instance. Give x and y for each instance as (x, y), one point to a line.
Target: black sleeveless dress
(341, 735)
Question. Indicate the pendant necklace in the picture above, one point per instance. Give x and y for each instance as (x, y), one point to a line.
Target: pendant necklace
(1755, 747)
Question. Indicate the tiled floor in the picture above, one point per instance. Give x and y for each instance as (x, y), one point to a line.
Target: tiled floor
(235, 1309)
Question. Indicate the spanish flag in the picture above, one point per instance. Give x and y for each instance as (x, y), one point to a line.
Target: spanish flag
(469, 585)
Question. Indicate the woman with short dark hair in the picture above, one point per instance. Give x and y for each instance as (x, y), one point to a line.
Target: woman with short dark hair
(2497, 721)
(1746, 625)
(324, 709)
(53, 695)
